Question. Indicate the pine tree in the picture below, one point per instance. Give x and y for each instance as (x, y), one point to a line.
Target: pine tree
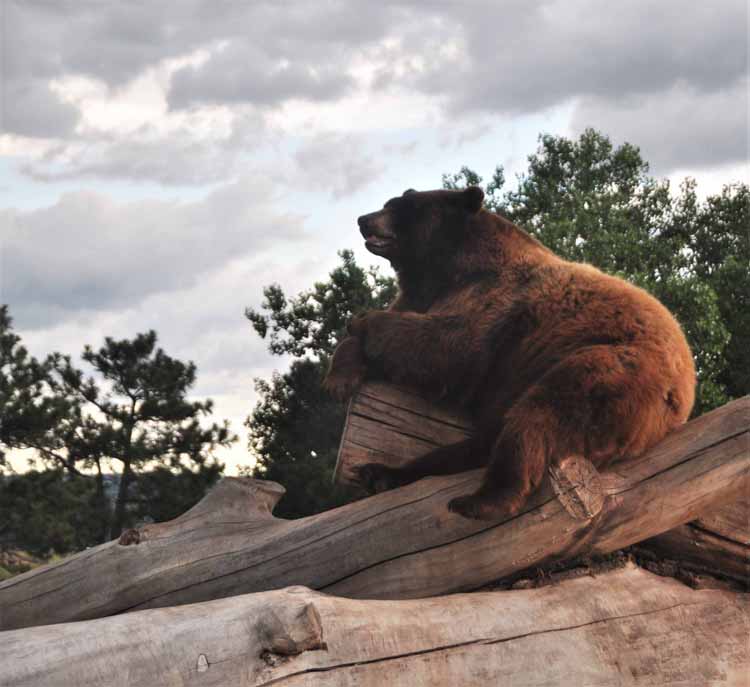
(138, 416)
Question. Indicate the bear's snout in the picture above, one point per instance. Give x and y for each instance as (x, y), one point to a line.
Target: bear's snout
(365, 223)
(376, 224)
(378, 233)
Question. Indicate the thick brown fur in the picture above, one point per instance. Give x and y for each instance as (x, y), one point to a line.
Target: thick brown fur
(554, 358)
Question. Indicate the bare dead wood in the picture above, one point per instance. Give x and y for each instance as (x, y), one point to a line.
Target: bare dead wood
(400, 544)
(717, 543)
(390, 425)
(626, 627)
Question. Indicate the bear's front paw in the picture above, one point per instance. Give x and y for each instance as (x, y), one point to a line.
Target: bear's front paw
(342, 384)
(375, 477)
(347, 371)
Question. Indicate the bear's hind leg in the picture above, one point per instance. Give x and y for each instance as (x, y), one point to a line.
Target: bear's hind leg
(516, 468)
(600, 402)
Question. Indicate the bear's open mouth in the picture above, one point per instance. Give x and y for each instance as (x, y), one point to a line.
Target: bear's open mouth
(377, 244)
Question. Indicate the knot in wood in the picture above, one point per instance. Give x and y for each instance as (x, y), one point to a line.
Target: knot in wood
(578, 487)
(128, 537)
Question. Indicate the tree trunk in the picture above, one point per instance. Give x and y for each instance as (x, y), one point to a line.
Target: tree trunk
(399, 544)
(101, 504)
(126, 478)
(122, 496)
(623, 627)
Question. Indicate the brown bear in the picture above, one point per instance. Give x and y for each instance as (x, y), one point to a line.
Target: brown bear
(553, 358)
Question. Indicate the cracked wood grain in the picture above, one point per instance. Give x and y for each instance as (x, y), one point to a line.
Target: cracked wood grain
(624, 627)
(401, 544)
(390, 425)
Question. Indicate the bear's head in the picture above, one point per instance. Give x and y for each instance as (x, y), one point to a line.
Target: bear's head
(421, 228)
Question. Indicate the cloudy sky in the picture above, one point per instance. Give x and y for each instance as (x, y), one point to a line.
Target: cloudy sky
(161, 161)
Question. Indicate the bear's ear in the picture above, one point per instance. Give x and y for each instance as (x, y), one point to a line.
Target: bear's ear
(408, 191)
(473, 197)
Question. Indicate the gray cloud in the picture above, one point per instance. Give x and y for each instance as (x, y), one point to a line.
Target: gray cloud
(115, 42)
(337, 163)
(515, 57)
(89, 253)
(526, 56)
(30, 108)
(244, 73)
(110, 41)
(678, 128)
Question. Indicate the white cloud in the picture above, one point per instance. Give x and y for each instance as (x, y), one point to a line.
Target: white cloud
(178, 156)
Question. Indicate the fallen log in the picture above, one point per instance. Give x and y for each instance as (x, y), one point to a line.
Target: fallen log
(396, 545)
(624, 627)
(716, 544)
(391, 425)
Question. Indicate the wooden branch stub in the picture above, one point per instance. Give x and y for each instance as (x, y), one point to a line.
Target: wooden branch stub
(285, 637)
(622, 627)
(236, 498)
(578, 487)
(233, 500)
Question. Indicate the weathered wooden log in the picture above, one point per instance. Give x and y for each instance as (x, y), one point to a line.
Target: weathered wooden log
(717, 543)
(399, 544)
(624, 627)
(391, 425)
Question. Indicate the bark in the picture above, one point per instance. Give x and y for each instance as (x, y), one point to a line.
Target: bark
(118, 517)
(101, 502)
(625, 627)
(126, 477)
(397, 545)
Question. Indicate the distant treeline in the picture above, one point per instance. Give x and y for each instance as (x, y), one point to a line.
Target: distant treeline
(121, 442)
